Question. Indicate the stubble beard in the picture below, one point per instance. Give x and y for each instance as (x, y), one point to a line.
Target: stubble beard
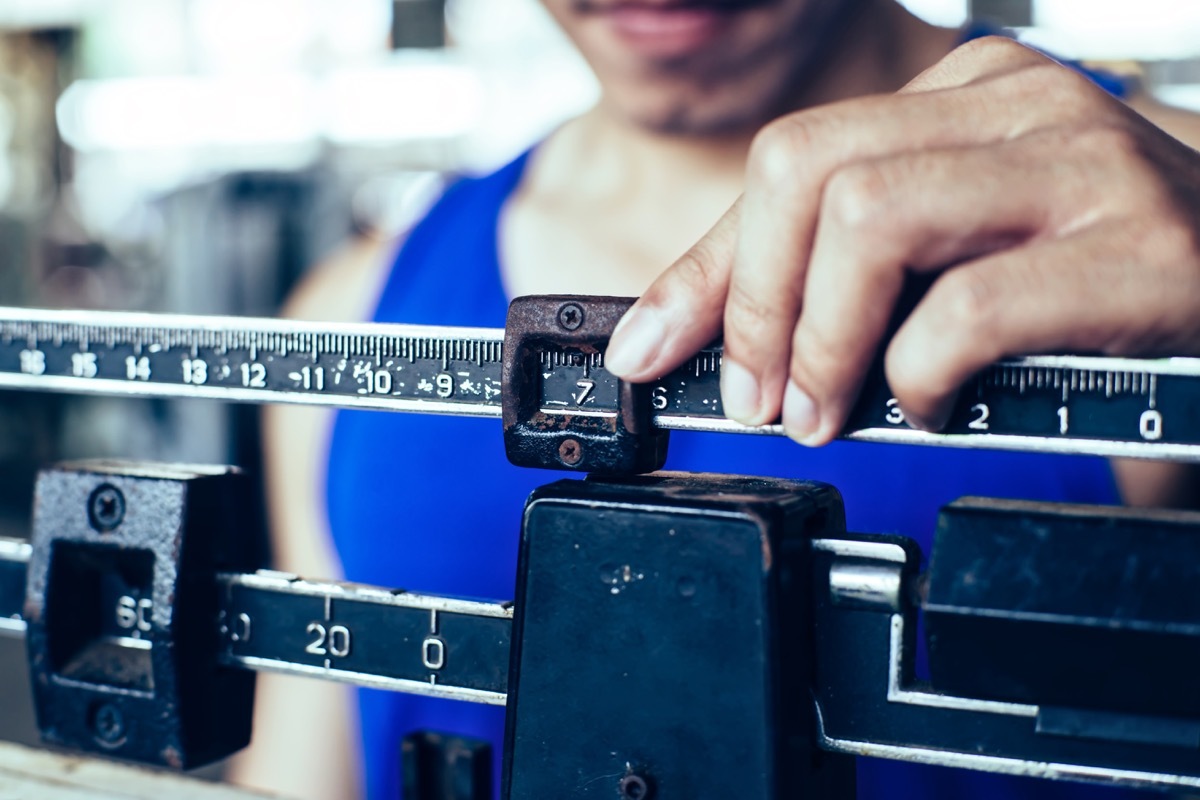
(724, 99)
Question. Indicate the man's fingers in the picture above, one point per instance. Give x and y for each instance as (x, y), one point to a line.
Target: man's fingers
(754, 263)
(976, 59)
(1079, 293)
(680, 312)
(914, 212)
(790, 163)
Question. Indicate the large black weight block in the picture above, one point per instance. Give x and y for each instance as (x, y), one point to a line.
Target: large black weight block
(1086, 607)
(662, 646)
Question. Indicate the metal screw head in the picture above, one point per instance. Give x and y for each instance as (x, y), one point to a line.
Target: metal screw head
(570, 316)
(633, 787)
(108, 724)
(106, 508)
(570, 452)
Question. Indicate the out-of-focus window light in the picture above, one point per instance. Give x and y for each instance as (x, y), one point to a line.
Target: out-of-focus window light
(359, 33)
(257, 35)
(1184, 95)
(1147, 30)
(45, 13)
(478, 24)
(409, 99)
(186, 112)
(948, 13)
(1176, 82)
(417, 97)
(125, 38)
(252, 35)
(143, 37)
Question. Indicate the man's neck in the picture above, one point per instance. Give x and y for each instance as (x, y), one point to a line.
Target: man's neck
(626, 201)
(659, 163)
(880, 48)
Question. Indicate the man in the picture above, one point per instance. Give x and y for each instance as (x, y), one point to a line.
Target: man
(1055, 217)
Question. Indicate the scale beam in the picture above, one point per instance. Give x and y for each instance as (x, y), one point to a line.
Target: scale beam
(1145, 408)
(362, 635)
(367, 636)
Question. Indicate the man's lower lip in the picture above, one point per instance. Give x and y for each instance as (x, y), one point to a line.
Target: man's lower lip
(670, 31)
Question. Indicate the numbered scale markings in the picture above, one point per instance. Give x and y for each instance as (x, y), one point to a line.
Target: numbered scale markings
(371, 637)
(275, 622)
(1070, 404)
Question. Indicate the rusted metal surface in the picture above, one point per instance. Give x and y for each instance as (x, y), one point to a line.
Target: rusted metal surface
(576, 329)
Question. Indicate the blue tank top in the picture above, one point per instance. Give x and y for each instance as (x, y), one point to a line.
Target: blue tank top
(408, 509)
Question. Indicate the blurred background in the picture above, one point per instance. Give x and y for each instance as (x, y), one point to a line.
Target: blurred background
(199, 155)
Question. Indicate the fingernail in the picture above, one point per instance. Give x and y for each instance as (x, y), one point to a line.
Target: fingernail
(634, 342)
(932, 423)
(740, 394)
(800, 418)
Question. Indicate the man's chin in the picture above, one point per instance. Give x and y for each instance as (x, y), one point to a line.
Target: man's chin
(694, 120)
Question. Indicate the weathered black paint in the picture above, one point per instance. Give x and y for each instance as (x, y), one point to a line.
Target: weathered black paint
(121, 635)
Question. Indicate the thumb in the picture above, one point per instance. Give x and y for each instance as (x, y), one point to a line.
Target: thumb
(681, 312)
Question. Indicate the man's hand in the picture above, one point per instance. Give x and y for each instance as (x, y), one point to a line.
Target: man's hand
(1054, 219)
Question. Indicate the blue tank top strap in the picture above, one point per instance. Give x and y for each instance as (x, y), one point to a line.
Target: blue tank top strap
(459, 231)
(391, 488)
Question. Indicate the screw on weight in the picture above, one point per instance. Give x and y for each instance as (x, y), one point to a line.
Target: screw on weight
(108, 724)
(106, 507)
(570, 452)
(570, 316)
(633, 787)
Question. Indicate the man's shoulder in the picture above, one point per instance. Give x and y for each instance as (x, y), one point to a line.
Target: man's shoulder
(345, 286)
